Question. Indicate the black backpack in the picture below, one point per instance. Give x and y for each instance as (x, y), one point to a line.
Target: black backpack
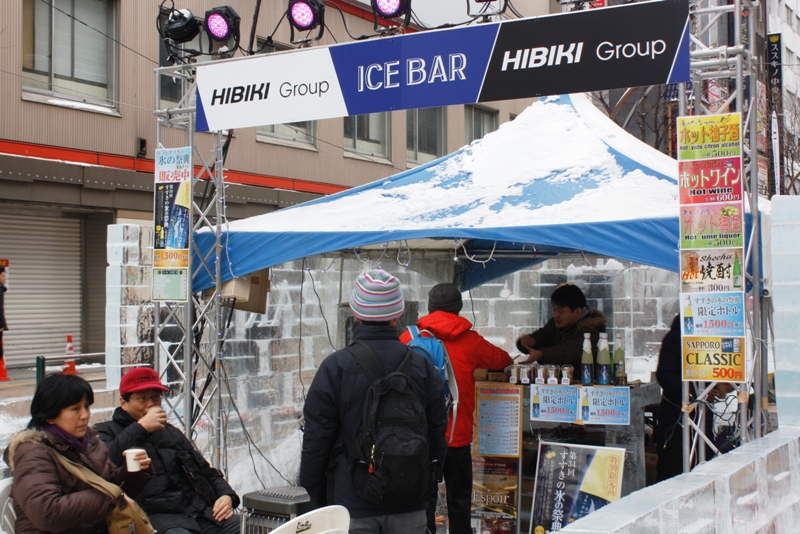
(390, 454)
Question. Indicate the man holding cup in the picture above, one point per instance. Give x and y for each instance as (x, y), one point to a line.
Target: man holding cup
(186, 495)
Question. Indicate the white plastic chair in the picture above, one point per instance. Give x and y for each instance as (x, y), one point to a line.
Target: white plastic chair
(8, 517)
(328, 520)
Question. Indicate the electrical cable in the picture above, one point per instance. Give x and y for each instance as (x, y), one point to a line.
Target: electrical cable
(344, 23)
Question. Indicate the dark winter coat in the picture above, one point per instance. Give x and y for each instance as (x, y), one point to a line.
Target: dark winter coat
(169, 499)
(334, 404)
(468, 350)
(47, 498)
(565, 346)
(3, 324)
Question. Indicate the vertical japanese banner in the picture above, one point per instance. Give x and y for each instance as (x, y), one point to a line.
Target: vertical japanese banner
(572, 481)
(172, 224)
(712, 243)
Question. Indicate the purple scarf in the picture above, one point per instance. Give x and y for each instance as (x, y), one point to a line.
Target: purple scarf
(62, 434)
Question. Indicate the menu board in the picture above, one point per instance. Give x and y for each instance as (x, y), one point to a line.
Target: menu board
(498, 409)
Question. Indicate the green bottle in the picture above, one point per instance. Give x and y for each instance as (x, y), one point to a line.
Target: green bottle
(737, 271)
(618, 358)
(587, 361)
(603, 361)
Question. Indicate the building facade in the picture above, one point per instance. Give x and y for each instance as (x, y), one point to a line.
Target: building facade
(78, 137)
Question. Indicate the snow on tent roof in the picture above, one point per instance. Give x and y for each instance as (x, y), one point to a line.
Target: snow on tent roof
(560, 177)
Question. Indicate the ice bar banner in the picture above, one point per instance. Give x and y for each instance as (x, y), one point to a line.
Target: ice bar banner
(712, 269)
(572, 481)
(622, 46)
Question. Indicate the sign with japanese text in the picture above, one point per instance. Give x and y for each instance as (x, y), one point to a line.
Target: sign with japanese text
(711, 270)
(713, 314)
(713, 359)
(172, 223)
(606, 405)
(775, 67)
(712, 267)
(572, 481)
(558, 404)
(631, 45)
(710, 180)
(711, 226)
(499, 418)
(709, 136)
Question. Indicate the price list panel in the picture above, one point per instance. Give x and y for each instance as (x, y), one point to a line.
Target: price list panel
(499, 419)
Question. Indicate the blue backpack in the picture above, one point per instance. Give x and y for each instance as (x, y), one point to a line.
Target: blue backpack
(424, 342)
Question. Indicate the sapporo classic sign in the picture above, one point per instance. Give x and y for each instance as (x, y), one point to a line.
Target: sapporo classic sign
(623, 46)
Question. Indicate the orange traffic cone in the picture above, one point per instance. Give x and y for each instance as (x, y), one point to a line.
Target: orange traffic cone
(3, 373)
(69, 368)
(69, 365)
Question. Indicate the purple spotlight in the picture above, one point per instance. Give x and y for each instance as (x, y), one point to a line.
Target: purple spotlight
(390, 8)
(222, 23)
(302, 15)
(217, 26)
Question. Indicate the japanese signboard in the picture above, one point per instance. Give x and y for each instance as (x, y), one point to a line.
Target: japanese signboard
(606, 405)
(631, 45)
(572, 481)
(711, 180)
(711, 226)
(589, 405)
(714, 359)
(709, 136)
(554, 403)
(711, 270)
(172, 224)
(713, 314)
(712, 243)
(499, 419)
(775, 67)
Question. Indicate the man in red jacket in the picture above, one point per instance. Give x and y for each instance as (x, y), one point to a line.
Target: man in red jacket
(468, 351)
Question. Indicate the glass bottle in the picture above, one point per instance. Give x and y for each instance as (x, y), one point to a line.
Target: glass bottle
(587, 361)
(737, 271)
(603, 361)
(584, 405)
(621, 375)
(618, 357)
(688, 318)
(535, 405)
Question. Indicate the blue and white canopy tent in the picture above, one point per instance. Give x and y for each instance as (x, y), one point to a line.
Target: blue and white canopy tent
(559, 179)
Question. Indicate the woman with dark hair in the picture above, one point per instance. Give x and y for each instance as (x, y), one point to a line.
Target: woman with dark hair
(47, 498)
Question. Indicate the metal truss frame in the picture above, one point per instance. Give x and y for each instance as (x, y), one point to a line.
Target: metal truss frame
(189, 335)
(737, 63)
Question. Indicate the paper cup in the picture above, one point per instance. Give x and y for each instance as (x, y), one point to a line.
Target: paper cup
(133, 465)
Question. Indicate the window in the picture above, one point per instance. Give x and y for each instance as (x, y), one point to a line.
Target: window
(68, 48)
(789, 15)
(425, 134)
(478, 122)
(302, 132)
(367, 134)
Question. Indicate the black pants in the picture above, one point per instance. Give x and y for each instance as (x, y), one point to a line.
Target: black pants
(457, 473)
(669, 440)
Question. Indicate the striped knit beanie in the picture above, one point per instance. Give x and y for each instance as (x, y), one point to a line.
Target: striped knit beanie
(377, 296)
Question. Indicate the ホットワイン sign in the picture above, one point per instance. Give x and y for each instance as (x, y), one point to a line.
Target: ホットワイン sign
(623, 46)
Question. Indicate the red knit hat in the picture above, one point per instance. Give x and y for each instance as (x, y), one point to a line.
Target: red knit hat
(140, 379)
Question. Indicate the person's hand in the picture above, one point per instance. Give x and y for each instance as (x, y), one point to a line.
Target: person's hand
(527, 342)
(719, 391)
(533, 356)
(142, 458)
(153, 420)
(223, 508)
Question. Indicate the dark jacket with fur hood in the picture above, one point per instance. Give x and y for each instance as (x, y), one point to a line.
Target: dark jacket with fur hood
(47, 498)
(564, 346)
